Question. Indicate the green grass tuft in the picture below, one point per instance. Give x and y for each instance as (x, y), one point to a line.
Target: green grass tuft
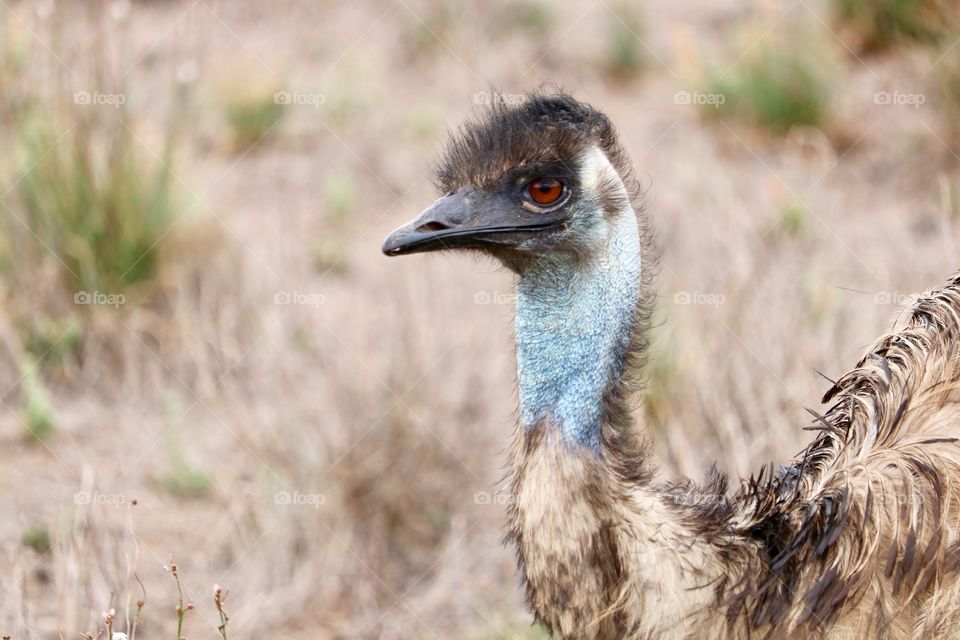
(625, 52)
(775, 88)
(37, 539)
(37, 411)
(182, 478)
(869, 25)
(328, 256)
(252, 116)
(795, 219)
(339, 196)
(52, 340)
(428, 31)
(534, 16)
(185, 481)
(100, 204)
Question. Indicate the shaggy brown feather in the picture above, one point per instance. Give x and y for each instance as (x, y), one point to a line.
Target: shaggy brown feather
(864, 520)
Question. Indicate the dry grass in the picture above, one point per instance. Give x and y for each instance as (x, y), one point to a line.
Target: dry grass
(322, 429)
(870, 25)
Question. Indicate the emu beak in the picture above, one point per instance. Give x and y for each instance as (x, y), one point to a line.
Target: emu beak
(464, 218)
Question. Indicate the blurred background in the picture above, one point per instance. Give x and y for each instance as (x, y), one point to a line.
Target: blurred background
(205, 361)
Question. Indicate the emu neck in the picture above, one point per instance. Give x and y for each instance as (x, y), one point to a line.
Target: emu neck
(575, 317)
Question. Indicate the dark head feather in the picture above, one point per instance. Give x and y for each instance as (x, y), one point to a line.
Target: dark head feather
(543, 127)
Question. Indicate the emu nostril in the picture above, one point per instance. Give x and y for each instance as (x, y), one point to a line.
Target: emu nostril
(432, 226)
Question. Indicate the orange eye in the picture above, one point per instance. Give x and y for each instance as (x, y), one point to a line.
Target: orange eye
(545, 190)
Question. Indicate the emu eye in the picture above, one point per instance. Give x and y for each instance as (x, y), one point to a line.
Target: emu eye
(545, 190)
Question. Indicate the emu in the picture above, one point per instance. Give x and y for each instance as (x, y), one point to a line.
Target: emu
(856, 538)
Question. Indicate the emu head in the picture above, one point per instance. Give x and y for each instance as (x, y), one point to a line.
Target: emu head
(542, 177)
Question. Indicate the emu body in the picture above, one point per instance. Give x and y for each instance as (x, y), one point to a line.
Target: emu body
(858, 537)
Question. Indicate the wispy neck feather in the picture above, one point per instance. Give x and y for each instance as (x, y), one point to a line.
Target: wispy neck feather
(575, 318)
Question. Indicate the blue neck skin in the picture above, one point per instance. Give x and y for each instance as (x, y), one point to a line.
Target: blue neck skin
(574, 322)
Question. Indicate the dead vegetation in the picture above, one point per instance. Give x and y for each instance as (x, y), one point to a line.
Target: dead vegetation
(322, 430)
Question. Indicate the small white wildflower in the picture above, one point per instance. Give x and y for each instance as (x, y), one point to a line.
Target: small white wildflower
(117, 635)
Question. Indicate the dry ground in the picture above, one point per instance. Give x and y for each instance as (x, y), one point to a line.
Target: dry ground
(352, 443)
